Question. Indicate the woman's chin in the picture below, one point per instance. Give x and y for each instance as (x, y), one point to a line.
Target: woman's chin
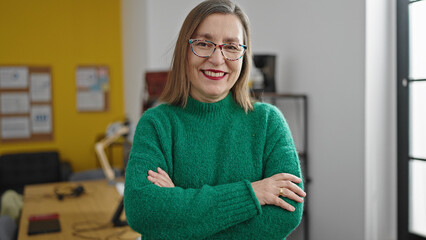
(210, 96)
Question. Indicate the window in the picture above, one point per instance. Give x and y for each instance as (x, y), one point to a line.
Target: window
(411, 44)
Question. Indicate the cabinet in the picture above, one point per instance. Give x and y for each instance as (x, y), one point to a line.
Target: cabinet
(295, 110)
(154, 85)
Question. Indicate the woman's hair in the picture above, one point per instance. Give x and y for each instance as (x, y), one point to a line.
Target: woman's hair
(178, 85)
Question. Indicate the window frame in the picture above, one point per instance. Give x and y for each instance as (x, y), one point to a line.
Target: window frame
(403, 141)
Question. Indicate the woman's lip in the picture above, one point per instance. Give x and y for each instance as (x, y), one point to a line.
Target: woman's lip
(214, 78)
(213, 70)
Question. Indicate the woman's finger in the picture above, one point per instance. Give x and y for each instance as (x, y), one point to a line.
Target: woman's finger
(284, 192)
(160, 182)
(152, 179)
(158, 175)
(163, 183)
(162, 172)
(292, 187)
(286, 176)
(283, 204)
(162, 178)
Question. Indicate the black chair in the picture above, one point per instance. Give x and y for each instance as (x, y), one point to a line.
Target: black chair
(20, 169)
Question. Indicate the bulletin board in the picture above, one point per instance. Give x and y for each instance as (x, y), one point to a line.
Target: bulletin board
(26, 104)
(92, 88)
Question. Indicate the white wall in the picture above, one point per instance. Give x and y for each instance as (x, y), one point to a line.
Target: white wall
(326, 55)
(322, 52)
(165, 19)
(134, 24)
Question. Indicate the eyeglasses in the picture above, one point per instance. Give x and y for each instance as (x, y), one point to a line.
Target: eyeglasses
(205, 48)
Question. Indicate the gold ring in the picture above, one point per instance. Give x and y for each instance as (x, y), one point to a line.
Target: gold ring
(282, 191)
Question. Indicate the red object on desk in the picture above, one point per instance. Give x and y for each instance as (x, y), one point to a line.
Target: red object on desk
(43, 217)
(43, 223)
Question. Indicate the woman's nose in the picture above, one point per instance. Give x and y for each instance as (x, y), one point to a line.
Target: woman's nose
(217, 58)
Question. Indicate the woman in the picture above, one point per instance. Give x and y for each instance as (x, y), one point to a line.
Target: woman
(210, 164)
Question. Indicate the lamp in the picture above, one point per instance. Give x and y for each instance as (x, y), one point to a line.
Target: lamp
(100, 146)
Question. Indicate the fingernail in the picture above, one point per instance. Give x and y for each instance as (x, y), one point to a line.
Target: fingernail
(292, 209)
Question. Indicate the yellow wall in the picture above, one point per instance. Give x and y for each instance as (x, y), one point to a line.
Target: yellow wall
(63, 34)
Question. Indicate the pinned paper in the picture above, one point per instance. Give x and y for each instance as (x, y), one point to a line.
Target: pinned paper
(14, 103)
(15, 127)
(41, 119)
(13, 77)
(40, 87)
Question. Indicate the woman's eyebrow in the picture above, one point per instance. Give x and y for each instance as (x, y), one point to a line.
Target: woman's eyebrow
(232, 39)
(204, 35)
(208, 36)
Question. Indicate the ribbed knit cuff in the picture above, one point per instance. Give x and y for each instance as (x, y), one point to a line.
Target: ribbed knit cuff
(253, 195)
(237, 203)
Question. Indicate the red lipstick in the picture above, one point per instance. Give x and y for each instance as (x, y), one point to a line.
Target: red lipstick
(214, 74)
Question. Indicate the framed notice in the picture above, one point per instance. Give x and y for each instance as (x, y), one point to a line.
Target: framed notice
(26, 112)
(92, 88)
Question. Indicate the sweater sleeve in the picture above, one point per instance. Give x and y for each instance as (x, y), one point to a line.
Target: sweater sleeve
(280, 156)
(178, 213)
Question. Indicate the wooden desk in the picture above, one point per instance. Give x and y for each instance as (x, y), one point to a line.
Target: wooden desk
(93, 208)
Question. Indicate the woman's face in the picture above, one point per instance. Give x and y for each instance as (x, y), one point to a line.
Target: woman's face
(212, 78)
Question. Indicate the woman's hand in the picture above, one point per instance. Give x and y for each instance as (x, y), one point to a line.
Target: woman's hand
(269, 189)
(160, 179)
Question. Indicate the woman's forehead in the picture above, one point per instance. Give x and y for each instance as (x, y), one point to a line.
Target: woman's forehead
(223, 27)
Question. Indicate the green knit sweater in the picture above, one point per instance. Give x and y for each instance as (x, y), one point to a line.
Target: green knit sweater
(212, 152)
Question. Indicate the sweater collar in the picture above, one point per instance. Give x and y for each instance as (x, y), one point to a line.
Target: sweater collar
(219, 107)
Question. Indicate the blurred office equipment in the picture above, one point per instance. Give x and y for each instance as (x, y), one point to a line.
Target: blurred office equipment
(265, 65)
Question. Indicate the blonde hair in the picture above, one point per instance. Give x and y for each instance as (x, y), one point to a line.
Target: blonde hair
(178, 86)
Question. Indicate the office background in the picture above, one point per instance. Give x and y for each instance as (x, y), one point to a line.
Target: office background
(341, 53)
(63, 35)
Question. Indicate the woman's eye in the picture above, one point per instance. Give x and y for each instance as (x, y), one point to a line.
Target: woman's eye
(203, 44)
(232, 47)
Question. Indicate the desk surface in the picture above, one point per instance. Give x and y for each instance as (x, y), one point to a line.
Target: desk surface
(92, 209)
